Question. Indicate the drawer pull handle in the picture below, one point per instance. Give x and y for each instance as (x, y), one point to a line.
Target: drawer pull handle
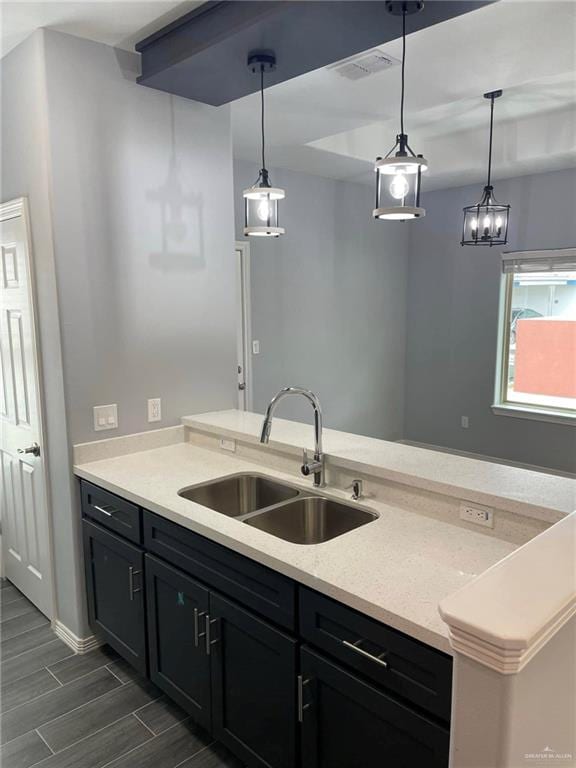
(197, 634)
(355, 647)
(131, 574)
(301, 706)
(207, 633)
(108, 512)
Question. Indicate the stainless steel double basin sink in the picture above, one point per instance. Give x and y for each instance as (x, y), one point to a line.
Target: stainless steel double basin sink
(282, 510)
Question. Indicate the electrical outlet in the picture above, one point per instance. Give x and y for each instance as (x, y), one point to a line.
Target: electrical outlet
(155, 409)
(228, 445)
(477, 515)
(105, 417)
(464, 422)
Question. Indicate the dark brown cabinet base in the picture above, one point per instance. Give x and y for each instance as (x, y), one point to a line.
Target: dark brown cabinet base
(224, 637)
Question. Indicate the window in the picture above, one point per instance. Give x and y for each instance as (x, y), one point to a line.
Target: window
(536, 373)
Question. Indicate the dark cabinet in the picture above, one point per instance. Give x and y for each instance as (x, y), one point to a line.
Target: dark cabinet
(177, 624)
(348, 723)
(213, 629)
(404, 666)
(114, 578)
(254, 672)
(258, 588)
(233, 672)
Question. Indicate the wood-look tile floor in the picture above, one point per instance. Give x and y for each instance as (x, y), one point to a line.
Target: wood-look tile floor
(59, 709)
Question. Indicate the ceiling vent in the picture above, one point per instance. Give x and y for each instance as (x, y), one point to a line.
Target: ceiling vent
(364, 65)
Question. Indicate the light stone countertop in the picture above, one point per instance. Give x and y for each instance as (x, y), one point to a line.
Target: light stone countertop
(526, 492)
(396, 569)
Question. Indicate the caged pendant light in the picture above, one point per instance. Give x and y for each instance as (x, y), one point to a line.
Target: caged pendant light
(399, 175)
(486, 222)
(261, 200)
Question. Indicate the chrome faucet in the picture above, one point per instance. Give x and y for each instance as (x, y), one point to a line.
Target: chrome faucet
(315, 467)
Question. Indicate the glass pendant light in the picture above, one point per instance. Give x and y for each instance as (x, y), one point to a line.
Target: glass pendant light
(261, 200)
(399, 175)
(486, 222)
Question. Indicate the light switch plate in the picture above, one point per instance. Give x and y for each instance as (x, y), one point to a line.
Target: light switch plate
(155, 409)
(255, 347)
(105, 417)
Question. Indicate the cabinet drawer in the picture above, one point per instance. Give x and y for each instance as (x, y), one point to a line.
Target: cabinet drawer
(394, 661)
(266, 592)
(112, 512)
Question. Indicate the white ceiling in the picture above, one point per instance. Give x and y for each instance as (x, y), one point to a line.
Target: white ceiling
(120, 24)
(321, 123)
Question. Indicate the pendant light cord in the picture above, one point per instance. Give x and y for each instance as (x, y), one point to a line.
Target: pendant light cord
(490, 146)
(262, 110)
(403, 67)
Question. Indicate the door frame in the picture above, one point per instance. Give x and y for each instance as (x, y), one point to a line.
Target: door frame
(12, 209)
(244, 323)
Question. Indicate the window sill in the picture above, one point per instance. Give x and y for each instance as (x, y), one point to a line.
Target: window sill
(534, 413)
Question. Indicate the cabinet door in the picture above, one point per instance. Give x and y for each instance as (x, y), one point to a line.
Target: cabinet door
(253, 686)
(115, 587)
(347, 723)
(177, 616)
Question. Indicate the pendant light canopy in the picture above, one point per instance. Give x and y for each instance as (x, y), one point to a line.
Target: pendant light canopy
(261, 200)
(486, 222)
(399, 174)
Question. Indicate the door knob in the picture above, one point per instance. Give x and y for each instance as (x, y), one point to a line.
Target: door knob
(34, 449)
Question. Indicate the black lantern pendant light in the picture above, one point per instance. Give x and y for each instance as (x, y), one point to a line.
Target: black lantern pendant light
(399, 175)
(261, 200)
(486, 222)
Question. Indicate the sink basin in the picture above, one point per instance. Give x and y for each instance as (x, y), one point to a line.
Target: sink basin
(311, 520)
(239, 495)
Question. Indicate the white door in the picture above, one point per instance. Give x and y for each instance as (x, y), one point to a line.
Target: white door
(243, 334)
(23, 505)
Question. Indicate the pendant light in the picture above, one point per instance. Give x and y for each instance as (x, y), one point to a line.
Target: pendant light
(486, 222)
(261, 200)
(399, 175)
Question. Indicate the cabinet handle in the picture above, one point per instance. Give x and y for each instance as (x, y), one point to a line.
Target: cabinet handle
(197, 634)
(108, 512)
(131, 574)
(355, 647)
(301, 705)
(209, 641)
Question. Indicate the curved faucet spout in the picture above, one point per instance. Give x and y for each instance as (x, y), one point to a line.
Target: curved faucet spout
(317, 467)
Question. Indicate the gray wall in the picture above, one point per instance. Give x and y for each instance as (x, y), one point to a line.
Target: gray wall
(25, 164)
(143, 232)
(131, 205)
(328, 303)
(453, 295)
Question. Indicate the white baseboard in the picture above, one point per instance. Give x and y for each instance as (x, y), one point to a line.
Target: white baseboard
(78, 644)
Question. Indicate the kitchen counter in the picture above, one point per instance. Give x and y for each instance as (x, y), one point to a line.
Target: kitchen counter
(526, 492)
(396, 569)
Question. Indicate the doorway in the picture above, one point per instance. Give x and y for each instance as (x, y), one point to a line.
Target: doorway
(26, 542)
(243, 327)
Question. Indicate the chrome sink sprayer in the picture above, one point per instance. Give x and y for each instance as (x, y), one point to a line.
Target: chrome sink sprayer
(315, 467)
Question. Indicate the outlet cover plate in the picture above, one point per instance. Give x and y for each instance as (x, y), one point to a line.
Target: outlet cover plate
(155, 409)
(472, 513)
